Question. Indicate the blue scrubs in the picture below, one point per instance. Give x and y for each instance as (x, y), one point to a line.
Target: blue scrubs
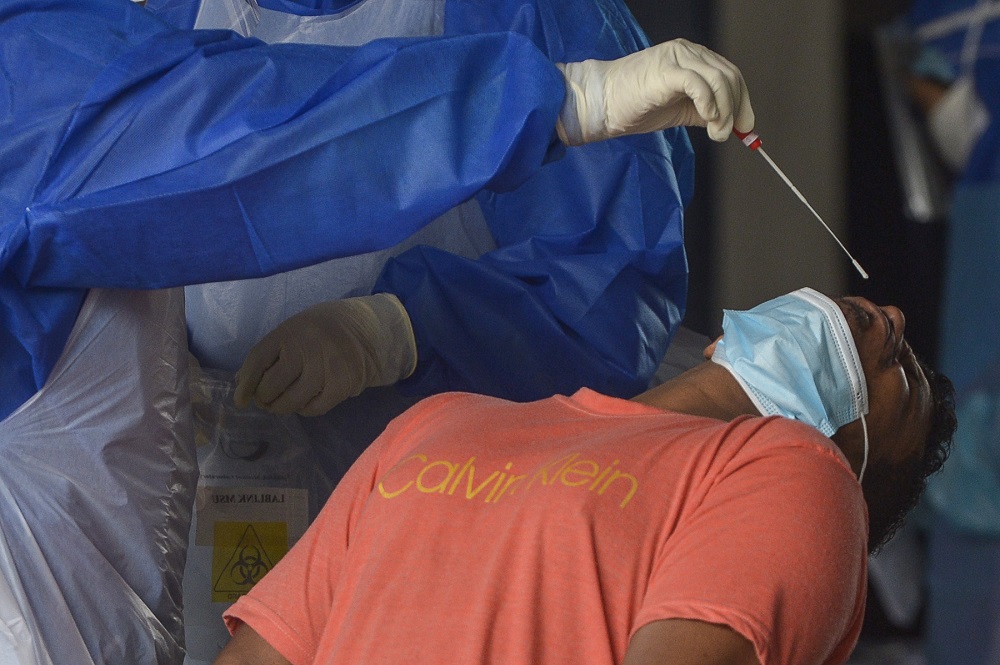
(143, 155)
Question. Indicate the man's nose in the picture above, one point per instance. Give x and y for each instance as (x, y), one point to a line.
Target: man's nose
(896, 316)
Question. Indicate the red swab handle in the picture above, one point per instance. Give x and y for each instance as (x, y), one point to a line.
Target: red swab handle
(750, 139)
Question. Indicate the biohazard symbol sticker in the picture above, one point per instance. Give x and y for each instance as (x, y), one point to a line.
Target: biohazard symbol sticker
(243, 553)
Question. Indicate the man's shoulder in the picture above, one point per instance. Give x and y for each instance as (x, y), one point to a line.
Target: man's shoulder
(781, 440)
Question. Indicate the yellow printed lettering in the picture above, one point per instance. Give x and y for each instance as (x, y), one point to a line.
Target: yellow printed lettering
(469, 492)
(586, 469)
(615, 476)
(510, 481)
(441, 486)
(444, 477)
(497, 485)
(542, 473)
(392, 495)
(601, 477)
(461, 473)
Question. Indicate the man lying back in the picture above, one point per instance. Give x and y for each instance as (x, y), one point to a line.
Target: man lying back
(722, 517)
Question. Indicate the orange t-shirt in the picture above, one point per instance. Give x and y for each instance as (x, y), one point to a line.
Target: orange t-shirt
(477, 530)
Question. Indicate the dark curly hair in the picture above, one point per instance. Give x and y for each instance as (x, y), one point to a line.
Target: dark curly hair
(892, 492)
(943, 421)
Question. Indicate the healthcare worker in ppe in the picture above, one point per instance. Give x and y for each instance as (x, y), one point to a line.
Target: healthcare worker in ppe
(500, 294)
(517, 293)
(250, 159)
(139, 154)
(957, 80)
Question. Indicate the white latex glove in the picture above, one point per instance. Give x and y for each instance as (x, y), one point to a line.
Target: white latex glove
(321, 356)
(668, 85)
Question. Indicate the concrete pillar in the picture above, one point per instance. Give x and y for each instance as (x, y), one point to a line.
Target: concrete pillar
(767, 243)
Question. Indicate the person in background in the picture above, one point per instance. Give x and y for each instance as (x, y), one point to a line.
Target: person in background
(724, 516)
(956, 81)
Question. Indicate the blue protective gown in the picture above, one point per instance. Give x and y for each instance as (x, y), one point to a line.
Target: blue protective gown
(143, 155)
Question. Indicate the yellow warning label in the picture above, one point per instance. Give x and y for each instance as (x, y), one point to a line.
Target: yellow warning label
(242, 553)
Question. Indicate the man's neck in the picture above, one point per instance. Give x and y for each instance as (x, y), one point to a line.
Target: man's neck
(707, 390)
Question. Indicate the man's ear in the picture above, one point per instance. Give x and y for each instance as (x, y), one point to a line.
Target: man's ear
(710, 349)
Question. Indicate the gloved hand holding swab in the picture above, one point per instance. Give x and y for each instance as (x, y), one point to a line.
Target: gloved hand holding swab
(752, 141)
(676, 83)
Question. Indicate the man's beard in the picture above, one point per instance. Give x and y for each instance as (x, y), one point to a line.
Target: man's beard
(891, 492)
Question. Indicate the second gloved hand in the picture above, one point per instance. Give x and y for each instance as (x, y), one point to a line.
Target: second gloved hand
(328, 353)
(673, 84)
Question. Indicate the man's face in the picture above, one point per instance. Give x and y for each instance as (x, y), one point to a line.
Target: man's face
(900, 412)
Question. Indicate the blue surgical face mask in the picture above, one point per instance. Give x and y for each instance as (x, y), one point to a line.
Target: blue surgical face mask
(795, 357)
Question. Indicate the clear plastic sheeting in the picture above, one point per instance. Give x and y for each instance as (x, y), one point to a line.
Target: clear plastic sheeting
(96, 488)
(19, 641)
(259, 489)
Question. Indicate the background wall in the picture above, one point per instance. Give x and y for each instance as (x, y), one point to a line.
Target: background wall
(768, 243)
(749, 238)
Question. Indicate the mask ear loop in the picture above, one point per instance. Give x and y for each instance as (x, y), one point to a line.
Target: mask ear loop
(864, 462)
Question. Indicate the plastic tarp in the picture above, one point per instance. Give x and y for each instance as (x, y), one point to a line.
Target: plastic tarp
(96, 488)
